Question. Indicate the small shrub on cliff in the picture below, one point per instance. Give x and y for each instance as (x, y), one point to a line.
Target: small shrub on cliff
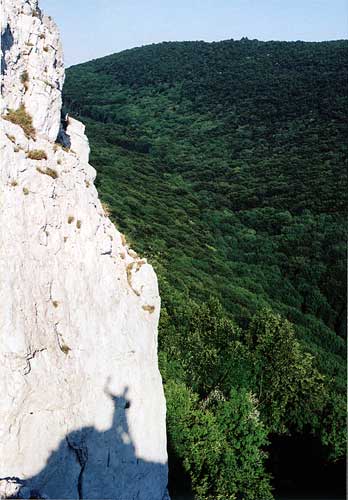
(149, 309)
(106, 207)
(25, 79)
(64, 348)
(22, 118)
(25, 76)
(37, 154)
(48, 171)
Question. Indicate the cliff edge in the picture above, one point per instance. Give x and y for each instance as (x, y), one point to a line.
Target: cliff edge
(82, 411)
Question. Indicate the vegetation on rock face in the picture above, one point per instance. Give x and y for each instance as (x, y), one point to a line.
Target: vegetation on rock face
(48, 171)
(25, 79)
(37, 154)
(225, 164)
(22, 118)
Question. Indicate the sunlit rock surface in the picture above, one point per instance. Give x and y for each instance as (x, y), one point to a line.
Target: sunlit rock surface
(82, 411)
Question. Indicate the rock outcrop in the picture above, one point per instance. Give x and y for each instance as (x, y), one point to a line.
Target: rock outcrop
(82, 411)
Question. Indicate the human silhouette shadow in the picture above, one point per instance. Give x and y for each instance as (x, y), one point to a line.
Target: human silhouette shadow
(89, 464)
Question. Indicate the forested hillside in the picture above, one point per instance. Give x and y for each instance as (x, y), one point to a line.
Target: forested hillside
(225, 164)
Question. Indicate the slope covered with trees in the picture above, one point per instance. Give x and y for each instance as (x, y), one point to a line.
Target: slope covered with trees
(225, 164)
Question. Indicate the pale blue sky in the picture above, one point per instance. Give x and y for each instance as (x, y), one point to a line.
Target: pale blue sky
(94, 28)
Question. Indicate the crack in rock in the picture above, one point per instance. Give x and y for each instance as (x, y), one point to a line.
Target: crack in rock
(81, 455)
(31, 356)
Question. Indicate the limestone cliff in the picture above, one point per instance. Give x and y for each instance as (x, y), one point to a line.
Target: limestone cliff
(82, 411)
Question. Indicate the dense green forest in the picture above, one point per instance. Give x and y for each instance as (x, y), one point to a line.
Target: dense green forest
(225, 164)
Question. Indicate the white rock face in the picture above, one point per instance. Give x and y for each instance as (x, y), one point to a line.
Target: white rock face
(32, 60)
(78, 140)
(82, 411)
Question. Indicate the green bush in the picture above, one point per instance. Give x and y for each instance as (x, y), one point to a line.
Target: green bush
(290, 389)
(221, 446)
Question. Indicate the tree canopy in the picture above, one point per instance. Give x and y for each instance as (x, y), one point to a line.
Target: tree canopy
(225, 164)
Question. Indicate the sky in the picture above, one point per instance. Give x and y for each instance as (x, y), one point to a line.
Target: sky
(95, 28)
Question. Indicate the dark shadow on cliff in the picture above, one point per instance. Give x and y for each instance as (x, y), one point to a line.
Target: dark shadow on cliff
(90, 464)
(6, 44)
(63, 138)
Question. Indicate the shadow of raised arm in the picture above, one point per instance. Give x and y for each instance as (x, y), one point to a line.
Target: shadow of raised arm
(93, 464)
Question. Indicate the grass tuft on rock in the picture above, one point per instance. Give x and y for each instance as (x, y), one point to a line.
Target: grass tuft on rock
(22, 118)
(64, 348)
(25, 79)
(37, 154)
(48, 171)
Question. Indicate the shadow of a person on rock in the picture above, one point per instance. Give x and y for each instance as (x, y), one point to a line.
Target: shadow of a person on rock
(90, 464)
